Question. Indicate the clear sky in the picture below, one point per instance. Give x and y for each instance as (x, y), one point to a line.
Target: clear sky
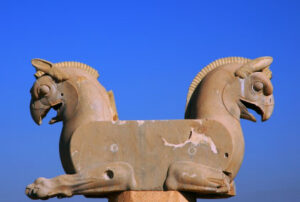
(148, 52)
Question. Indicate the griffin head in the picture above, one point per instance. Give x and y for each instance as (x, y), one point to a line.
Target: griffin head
(256, 94)
(250, 88)
(51, 90)
(256, 89)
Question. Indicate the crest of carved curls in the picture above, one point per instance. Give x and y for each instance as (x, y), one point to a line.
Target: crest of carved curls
(57, 69)
(248, 66)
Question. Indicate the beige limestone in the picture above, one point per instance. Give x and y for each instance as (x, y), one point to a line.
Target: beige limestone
(152, 196)
(103, 155)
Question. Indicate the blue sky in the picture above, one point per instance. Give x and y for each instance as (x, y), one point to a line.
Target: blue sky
(148, 52)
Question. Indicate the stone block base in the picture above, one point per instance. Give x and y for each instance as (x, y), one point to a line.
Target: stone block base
(152, 196)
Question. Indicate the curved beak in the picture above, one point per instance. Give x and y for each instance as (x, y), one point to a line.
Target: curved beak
(38, 111)
(267, 108)
(263, 107)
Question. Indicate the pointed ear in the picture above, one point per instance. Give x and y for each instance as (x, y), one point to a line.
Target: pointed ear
(256, 65)
(261, 63)
(42, 65)
(49, 68)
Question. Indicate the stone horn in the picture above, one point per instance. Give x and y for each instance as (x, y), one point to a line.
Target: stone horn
(46, 67)
(256, 65)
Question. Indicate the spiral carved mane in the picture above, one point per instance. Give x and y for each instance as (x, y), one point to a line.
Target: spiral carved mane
(77, 65)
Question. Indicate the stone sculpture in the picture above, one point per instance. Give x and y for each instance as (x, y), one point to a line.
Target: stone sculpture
(102, 155)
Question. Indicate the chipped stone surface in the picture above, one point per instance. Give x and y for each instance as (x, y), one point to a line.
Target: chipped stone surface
(189, 175)
(242, 82)
(114, 148)
(140, 122)
(195, 139)
(74, 152)
(119, 122)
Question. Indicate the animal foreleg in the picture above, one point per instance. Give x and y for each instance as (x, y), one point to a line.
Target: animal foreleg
(194, 177)
(106, 178)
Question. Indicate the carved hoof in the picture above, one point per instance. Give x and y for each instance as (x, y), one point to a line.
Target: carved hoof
(193, 177)
(43, 188)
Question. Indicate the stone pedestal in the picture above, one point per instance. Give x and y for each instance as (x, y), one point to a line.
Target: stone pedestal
(152, 196)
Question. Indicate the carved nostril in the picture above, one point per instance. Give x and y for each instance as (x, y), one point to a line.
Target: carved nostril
(109, 174)
(226, 155)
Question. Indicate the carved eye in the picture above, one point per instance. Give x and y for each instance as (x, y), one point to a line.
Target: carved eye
(44, 90)
(258, 86)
